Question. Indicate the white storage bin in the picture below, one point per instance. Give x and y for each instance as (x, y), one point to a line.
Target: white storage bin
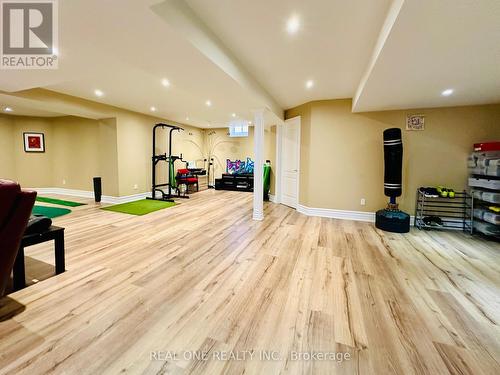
(484, 183)
(490, 196)
(491, 217)
(479, 213)
(477, 194)
(493, 170)
(487, 228)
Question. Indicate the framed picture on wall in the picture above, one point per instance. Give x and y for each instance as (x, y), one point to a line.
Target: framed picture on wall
(34, 142)
(415, 122)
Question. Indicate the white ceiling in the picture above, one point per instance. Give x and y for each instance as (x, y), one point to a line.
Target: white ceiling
(332, 46)
(22, 107)
(125, 48)
(437, 45)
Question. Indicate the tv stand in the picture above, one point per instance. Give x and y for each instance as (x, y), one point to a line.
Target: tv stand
(235, 182)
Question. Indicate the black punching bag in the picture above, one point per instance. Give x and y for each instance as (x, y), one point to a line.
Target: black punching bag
(392, 219)
(393, 162)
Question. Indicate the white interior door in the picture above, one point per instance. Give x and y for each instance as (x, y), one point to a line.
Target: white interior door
(290, 161)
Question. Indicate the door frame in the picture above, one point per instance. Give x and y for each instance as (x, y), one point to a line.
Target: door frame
(279, 159)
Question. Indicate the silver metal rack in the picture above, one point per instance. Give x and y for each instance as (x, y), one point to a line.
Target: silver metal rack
(455, 213)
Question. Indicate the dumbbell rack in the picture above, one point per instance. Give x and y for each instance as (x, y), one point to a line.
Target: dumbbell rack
(455, 213)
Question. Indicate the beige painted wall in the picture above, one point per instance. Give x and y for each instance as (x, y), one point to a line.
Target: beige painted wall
(75, 152)
(7, 157)
(108, 156)
(76, 149)
(33, 169)
(342, 153)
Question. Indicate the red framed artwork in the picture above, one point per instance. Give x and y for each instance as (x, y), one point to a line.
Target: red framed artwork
(34, 142)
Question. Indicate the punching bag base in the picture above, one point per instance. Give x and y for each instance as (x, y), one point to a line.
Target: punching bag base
(392, 221)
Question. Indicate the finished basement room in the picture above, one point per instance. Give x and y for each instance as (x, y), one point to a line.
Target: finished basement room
(250, 187)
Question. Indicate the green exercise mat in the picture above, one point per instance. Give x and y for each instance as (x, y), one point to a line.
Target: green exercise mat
(141, 207)
(59, 202)
(50, 212)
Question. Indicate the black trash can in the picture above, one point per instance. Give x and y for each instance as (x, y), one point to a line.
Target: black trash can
(97, 189)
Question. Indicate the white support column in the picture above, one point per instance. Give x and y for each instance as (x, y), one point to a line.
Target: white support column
(258, 175)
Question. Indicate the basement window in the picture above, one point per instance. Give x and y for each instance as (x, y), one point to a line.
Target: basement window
(238, 131)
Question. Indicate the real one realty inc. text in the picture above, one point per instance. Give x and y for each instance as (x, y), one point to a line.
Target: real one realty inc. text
(248, 355)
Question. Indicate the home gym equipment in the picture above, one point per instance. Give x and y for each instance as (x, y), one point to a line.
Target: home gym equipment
(391, 219)
(170, 159)
(140, 207)
(185, 177)
(59, 202)
(49, 211)
(197, 171)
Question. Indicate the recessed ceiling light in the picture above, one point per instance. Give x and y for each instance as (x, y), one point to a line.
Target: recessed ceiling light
(447, 92)
(98, 93)
(292, 25)
(233, 114)
(208, 103)
(309, 84)
(249, 122)
(153, 109)
(165, 82)
(8, 109)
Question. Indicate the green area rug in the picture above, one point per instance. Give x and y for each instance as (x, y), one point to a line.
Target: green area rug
(50, 212)
(59, 202)
(141, 207)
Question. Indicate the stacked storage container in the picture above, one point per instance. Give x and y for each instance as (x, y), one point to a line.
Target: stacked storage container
(484, 182)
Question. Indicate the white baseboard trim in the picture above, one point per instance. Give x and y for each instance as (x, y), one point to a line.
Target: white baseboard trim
(309, 211)
(90, 194)
(258, 217)
(342, 214)
(337, 214)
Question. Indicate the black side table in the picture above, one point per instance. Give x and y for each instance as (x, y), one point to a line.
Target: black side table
(53, 233)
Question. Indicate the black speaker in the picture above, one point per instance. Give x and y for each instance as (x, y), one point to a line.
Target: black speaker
(97, 189)
(393, 162)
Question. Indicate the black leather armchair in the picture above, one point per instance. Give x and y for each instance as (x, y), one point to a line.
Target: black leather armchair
(15, 210)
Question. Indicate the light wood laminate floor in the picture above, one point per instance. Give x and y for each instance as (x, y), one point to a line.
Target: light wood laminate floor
(202, 277)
